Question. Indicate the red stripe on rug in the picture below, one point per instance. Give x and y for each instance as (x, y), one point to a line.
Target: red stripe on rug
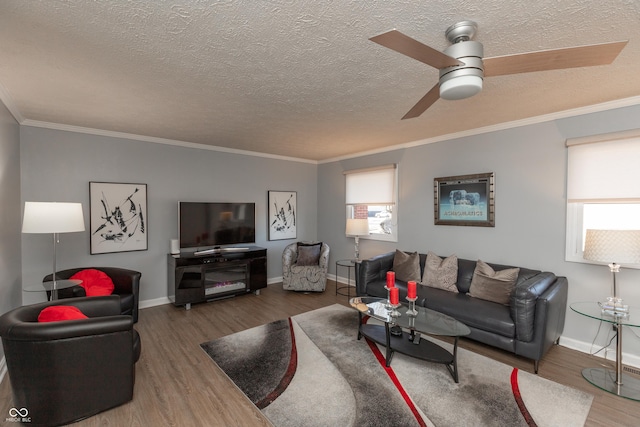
(392, 375)
(288, 375)
(516, 394)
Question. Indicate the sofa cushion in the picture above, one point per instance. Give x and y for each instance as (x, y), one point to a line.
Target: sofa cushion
(441, 273)
(491, 285)
(406, 266)
(473, 312)
(56, 313)
(95, 282)
(308, 254)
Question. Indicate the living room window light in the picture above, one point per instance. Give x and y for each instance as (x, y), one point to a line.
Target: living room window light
(602, 187)
(372, 193)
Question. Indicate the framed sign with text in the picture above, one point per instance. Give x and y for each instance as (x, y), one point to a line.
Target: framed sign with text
(465, 200)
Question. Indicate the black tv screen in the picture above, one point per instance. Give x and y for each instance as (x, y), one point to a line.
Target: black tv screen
(206, 224)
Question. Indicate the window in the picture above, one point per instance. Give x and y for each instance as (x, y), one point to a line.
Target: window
(372, 194)
(603, 190)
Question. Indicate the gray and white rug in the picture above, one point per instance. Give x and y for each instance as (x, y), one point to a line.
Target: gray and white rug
(310, 370)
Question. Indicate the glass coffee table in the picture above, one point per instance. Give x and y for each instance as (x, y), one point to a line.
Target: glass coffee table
(393, 336)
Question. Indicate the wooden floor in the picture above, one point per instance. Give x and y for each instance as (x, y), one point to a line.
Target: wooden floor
(178, 385)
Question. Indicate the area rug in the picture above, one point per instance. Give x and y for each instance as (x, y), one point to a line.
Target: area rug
(310, 370)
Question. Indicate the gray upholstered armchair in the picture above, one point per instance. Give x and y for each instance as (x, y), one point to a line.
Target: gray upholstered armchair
(304, 266)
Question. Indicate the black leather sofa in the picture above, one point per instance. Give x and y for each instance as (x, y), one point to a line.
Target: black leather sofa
(528, 326)
(65, 371)
(126, 282)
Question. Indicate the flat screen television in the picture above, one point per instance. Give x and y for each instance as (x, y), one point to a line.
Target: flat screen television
(203, 225)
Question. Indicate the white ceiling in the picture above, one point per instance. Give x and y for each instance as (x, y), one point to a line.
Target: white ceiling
(296, 78)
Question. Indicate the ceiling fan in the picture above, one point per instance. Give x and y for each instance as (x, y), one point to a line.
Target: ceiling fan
(462, 66)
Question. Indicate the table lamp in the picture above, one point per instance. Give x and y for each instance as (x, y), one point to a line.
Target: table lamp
(613, 247)
(357, 227)
(54, 218)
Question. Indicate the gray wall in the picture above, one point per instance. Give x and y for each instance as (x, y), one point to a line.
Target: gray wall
(529, 163)
(58, 166)
(10, 221)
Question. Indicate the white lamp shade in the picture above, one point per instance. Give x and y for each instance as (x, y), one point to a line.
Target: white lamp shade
(52, 217)
(612, 246)
(357, 227)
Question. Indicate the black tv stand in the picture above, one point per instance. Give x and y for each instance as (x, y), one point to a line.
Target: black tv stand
(215, 274)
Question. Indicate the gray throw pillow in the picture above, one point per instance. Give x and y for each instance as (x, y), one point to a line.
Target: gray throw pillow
(493, 285)
(308, 254)
(441, 273)
(406, 266)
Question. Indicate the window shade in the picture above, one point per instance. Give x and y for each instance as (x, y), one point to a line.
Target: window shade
(375, 186)
(604, 171)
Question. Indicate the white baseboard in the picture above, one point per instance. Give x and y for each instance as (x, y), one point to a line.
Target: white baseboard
(274, 280)
(344, 280)
(585, 347)
(154, 302)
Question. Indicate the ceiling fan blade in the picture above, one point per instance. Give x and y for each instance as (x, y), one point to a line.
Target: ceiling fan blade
(427, 101)
(553, 59)
(405, 45)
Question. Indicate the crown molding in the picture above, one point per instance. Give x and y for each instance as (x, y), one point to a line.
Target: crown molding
(596, 108)
(156, 140)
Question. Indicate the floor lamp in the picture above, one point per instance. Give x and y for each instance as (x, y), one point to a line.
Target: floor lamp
(357, 227)
(54, 218)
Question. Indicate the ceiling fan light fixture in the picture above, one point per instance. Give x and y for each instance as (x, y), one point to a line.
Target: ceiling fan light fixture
(463, 81)
(462, 67)
(460, 87)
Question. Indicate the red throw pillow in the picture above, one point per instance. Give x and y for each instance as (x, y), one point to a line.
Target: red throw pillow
(56, 313)
(94, 282)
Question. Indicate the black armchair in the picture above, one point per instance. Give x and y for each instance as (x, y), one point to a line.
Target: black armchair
(127, 287)
(65, 371)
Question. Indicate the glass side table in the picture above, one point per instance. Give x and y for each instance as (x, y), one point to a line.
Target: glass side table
(350, 265)
(48, 287)
(612, 381)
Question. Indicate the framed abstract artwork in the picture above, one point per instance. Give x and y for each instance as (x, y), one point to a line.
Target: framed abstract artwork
(465, 200)
(118, 216)
(282, 215)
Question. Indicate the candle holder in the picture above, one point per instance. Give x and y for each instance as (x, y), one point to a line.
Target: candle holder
(394, 311)
(387, 304)
(394, 314)
(411, 311)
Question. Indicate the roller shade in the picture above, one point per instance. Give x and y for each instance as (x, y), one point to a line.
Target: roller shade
(604, 171)
(374, 186)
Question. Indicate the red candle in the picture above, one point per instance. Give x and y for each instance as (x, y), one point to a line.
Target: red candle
(393, 295)
(391, 279)
(411, 289)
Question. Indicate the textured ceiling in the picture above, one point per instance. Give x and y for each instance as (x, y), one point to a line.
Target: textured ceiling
(295, 78)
